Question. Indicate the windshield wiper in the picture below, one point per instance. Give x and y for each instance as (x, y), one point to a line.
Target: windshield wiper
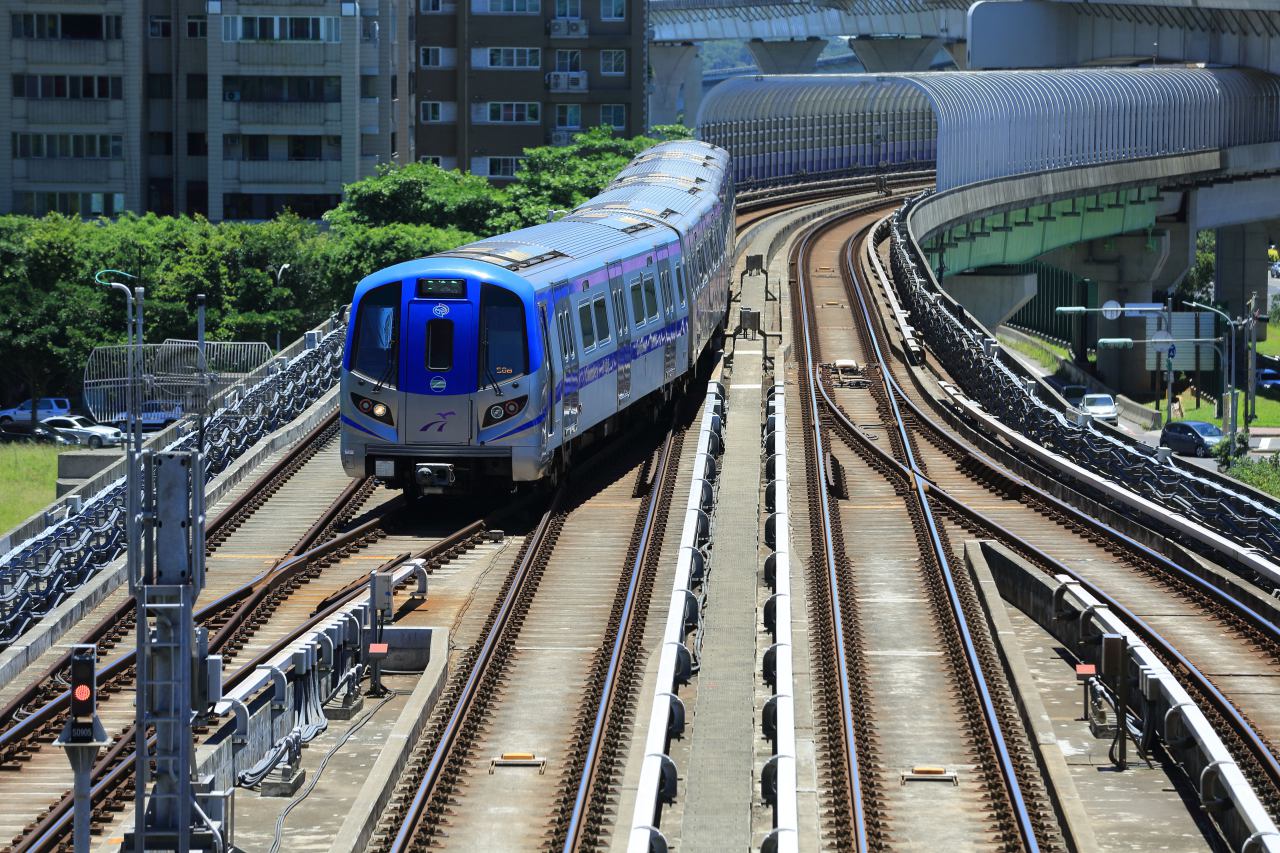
(484, 364)
(386, 371)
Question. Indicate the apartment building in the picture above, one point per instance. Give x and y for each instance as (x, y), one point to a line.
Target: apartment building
(497, 76)
(233, 110)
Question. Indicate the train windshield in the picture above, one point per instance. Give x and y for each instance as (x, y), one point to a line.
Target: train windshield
(504, 353)
(375, 350)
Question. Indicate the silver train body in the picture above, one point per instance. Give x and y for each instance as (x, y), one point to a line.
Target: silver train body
(495, 361)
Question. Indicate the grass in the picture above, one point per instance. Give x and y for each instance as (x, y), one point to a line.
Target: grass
(28, 473)
(1262, 474)
(1042, 355)
(1271, 346)
(1268, 410)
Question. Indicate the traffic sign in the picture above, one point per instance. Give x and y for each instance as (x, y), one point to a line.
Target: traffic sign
(1173, 352)
(1142, 309)
(1111, 310)
(1162, 341)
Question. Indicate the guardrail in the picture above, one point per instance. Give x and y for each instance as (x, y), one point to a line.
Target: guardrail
(971, 356)
(41, 572)
(677, 661)
(778, 776)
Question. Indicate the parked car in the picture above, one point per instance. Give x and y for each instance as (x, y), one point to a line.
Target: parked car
(1269, 380)
(47, 407)
(89, 433)
(24, 431)
(155, 414)
(1074, 394)
(1194, 437)
(1101, 406)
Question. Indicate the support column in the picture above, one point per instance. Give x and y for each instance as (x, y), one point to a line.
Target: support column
(959, 51)
(671, 64)
(1240, 267)
(991, 296)
(786, 57)
(879, 55)
(692, 91)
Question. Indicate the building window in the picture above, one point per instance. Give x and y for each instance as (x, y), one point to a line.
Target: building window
(614, 116)
(568, 8)
(515, 7)
(613, 62)
(430, 160)
(281, 28)
(72, 204)
(515, 112)
(160, 144)
(159, 26)
(613, 10)
(71, 27)
(435, 57)
(503, 167)
(434, 7)
(35, 26)
(197, 26)
(283, 89)
(304, 148)
(568, 60)
(159, 86)
(569, 116)
(515, 57)
(430, 112)
(197, 87)
(72, 86)
(58, 146)
(197, 145)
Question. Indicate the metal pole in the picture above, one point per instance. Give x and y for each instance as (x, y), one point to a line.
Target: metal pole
(142, 757)
(1168, 361)
(1252, 393)
(1231, 393)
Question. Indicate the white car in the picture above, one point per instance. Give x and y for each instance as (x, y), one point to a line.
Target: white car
(1102, 407)
(90, 434)
(47, 407)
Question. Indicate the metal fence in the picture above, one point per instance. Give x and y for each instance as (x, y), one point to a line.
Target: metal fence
(961, 344)
(40, 573)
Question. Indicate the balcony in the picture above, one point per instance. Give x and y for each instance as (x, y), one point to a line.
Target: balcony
(308, 115)
(66, 52)
(266, 172)
(293, 55)
(567, 81)
(568, 28)
(63, 111)
(70, 171)
(369, 115)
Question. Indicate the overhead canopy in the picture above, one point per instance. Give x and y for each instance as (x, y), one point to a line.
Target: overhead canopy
(989, 124)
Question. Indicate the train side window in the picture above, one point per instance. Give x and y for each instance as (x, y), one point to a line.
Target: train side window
(376, 344)
(440, 345)
(637, 302)
(650, 299)
(602, 321)
(584, 320)
(620, 310)
(668, 298)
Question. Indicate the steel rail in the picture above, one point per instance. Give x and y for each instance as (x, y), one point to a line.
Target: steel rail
(824, 488)
(626, 626)
(940, 551)
(56, 824)
(431, 776)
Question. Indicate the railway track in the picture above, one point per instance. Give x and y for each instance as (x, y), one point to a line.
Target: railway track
(899, 626)
(501, 764)
(1227, 651)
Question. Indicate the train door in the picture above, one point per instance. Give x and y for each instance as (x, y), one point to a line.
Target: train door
(569, 361)
(623, 354)
(554, 371)
(668, 314)
(440, 361)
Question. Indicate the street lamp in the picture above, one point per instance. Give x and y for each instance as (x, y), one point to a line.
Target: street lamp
(1113, 310)
(1230, 362)
(280, 275)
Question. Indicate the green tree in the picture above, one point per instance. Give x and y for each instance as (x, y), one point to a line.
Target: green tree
(419, 194)
(1197, 284)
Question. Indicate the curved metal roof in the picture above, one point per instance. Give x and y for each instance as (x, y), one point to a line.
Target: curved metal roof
(993, 124)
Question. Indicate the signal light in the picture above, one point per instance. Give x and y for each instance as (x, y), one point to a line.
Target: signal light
(501, 411)
(84, 686)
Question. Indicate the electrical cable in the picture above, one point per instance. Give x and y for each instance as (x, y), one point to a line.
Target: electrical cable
(315, 778)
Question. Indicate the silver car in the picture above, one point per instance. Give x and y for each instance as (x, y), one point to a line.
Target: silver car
(90, 434)
(1101, 407)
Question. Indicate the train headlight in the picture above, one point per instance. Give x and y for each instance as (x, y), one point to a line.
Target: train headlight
(504, 410)
(375, 409)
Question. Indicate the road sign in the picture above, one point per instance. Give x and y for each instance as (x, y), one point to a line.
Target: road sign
(1141, 309)
(1111, 310)
(1173, 352)
(1162, 341)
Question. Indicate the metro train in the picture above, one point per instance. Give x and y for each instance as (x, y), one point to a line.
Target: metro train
(494, 362)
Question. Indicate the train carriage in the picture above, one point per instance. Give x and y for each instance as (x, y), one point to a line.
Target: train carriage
(493, 362)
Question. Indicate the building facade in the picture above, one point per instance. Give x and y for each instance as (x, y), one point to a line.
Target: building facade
(228, 109)
(497, 76)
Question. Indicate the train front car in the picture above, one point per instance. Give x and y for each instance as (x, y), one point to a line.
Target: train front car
(442, 382)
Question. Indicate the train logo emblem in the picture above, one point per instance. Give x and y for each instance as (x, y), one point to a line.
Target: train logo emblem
(441, 421)
(437, 383)
(440, 310)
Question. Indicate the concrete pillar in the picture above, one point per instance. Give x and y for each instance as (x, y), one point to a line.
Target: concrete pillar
(895, 54)
(959, 51)
(991, 296)
(692, 95)
(671, 68)
(786, 57)
(1240, 266)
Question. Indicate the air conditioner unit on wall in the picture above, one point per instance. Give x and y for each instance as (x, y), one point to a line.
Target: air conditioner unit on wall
(577, 28)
